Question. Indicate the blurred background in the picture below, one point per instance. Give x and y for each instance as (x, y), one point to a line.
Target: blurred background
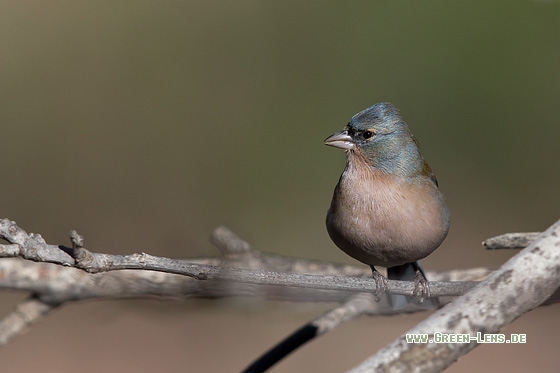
(145, 124)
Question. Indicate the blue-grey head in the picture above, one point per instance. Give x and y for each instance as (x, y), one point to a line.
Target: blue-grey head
(382, 138)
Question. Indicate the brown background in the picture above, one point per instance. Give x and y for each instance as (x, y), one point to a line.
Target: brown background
(145, 124)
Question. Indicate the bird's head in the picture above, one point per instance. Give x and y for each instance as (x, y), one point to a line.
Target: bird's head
(380, 136)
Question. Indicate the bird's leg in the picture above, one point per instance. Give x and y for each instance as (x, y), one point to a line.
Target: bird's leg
(421, 286)
(380, 284)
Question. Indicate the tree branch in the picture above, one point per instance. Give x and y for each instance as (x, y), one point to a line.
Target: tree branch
(96, 263)
(64, 274)
(511, 240)
(355, 306)
(24, 315)
(521, 284)
(64, 281)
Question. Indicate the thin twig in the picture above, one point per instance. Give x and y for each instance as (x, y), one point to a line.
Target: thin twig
(354, 307)
(24, 315)
(510, 241)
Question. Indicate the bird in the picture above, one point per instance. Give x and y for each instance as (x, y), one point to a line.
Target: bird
(387, 209)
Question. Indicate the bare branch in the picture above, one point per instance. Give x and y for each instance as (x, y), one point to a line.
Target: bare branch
(521, 284)
(96, 262)
(241, 271)
(511, 240)
(53, 284)
(25, 314)
(30, 246)
(229, 243)
(355, 306)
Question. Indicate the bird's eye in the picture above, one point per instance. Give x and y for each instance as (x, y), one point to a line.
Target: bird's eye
(367, 134)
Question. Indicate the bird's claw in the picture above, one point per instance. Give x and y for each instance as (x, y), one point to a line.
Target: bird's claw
(380, 285)
(421, 287)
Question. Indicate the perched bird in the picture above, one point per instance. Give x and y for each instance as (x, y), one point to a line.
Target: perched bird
(387, 209)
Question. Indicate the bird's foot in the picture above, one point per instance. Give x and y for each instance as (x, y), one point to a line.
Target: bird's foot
(421, 287)
(380, 284)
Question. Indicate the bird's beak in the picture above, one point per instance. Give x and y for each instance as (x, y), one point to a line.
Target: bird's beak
(340, 140)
